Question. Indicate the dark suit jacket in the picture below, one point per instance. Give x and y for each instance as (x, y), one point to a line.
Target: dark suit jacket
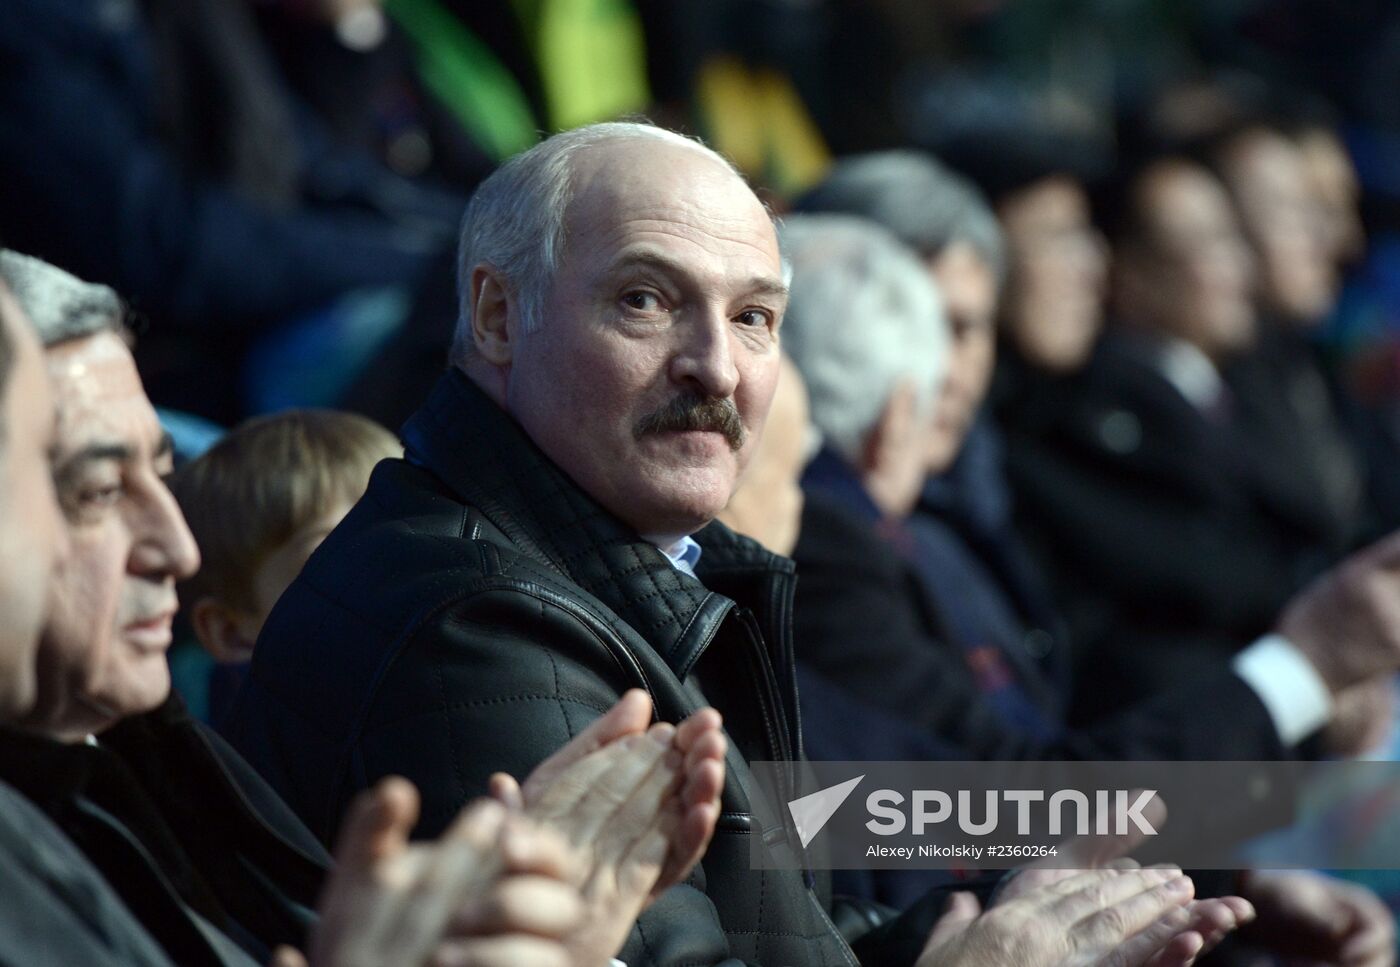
(57, 909)
(192, 840)
(1149, 517)
(1308, 466)
(865, 622)
(476, 610)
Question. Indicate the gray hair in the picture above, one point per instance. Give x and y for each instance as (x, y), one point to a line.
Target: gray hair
(863, 316)
(926, 204)
(516, 218)
(62, 307)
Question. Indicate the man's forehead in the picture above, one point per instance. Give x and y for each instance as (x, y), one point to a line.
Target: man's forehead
(98, 393)
(1172, 187)
(1057, 198)
(632, 191)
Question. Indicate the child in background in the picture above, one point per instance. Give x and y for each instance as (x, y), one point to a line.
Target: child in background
(259, 502)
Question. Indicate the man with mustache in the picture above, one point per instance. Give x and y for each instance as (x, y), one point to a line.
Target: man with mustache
(535, 554)
(549, 541)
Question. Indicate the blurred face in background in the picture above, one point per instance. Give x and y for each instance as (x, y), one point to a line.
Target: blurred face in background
(969, 290)
(1186, 272)
(1334, 182)
(1053, 309)
(1286, 224)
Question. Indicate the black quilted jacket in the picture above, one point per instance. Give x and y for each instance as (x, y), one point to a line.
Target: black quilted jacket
(476, 610)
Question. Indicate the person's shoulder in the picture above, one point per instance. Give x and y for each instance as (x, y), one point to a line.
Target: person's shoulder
(409, 521)
(58, 909)
(412, 582)
(407, 552)
(835, 535)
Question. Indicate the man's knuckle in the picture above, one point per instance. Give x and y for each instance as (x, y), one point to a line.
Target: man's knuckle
(1096, 896)
(1112, 922)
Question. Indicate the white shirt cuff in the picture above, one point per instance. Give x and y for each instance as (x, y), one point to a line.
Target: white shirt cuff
(1297, 698)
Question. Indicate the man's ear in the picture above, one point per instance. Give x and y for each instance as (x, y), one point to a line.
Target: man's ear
(227, 633)
(493, 311)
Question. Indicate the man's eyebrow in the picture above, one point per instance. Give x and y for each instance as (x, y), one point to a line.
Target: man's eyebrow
(66, 467)
(758, 285)
(101, 451)
(762, 285)
(645, 258)
(69, 466)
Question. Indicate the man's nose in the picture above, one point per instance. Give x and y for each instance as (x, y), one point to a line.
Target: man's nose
(705, 362)
(164, 545)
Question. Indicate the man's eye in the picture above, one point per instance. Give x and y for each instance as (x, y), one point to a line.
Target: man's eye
(100, 496)
(88, 503)
(642, 301)
(752, 317)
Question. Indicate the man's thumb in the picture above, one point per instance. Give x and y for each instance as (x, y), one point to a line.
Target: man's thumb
(378, 824)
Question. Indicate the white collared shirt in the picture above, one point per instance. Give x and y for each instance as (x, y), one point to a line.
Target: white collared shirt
(683, 552)
(1192, 373)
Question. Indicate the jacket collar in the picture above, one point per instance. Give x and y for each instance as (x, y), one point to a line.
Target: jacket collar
(82, 784)
(160, 775)
(486, 459)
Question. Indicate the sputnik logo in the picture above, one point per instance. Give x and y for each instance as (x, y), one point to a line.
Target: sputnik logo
(811, 812)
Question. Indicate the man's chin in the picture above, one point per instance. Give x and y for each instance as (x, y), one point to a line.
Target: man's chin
(674, 517)
(143, 688)
(664, 494)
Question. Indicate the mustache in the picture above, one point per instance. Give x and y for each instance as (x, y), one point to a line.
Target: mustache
(694, 412)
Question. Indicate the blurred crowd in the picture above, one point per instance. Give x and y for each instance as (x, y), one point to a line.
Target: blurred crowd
(1037, 363)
